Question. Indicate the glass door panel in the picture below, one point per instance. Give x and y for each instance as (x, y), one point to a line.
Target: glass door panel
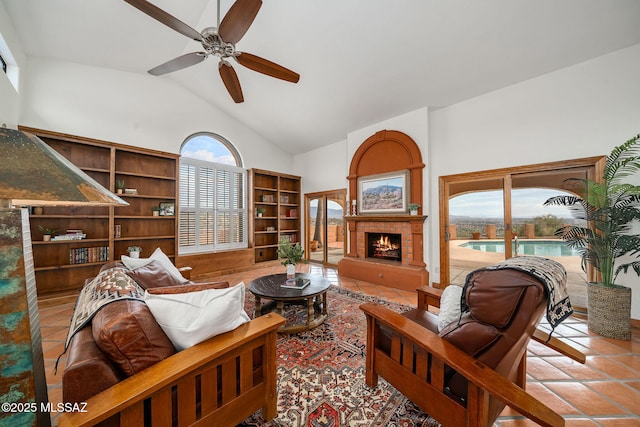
(316, 229)
(477, 227)
(335, 230)
(536, 224)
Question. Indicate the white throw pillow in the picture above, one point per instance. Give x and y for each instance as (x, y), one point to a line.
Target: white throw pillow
(157, 255)
(449, 306)
(193, 317)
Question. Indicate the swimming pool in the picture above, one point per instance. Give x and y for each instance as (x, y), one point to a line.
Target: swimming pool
(527, 247)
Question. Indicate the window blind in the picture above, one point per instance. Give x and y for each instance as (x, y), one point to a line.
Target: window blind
(213, 207)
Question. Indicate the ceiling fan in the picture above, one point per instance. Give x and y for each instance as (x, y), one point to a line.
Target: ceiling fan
(219, 41)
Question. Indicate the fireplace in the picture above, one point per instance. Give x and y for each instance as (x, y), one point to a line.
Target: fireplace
(386, 246)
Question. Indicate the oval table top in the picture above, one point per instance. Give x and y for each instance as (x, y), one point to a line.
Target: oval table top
(270, 287)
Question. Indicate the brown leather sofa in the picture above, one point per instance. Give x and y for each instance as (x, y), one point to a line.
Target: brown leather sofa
(140, 353)
(464, 374)
(89, 370)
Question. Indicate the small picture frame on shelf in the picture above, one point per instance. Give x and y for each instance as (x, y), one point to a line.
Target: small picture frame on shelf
(167, 209)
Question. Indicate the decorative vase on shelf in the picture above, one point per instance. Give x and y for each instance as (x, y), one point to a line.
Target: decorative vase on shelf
(291, 271)
(134, 251)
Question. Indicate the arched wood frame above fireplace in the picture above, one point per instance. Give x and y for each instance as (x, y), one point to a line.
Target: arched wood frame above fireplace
(388, 151)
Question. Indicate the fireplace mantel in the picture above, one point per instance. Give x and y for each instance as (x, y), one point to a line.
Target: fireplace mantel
(386, 218)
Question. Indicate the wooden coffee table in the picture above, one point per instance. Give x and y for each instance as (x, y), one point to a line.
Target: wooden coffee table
(314, 296)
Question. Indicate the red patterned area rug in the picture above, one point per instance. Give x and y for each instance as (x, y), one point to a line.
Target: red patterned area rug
(321, 375)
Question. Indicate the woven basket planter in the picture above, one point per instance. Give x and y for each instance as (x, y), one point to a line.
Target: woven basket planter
(609, 311)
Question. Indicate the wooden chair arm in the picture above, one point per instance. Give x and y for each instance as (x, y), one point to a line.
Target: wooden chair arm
(144, 384)
(561, 347)
(472, 369)
(186, 272)
(428, 296)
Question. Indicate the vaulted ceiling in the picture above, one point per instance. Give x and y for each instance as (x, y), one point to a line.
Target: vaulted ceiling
(360, 61)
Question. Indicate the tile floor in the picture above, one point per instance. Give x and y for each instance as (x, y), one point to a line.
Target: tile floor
(603, 392)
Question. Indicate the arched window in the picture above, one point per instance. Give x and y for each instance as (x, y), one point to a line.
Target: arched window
(213, 195)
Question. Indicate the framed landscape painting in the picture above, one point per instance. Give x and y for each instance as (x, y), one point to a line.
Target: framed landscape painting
(384, 193)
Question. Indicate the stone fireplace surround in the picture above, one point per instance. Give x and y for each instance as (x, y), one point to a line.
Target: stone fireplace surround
(387, 151)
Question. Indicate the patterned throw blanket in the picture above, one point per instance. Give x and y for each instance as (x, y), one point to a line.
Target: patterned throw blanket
(110, 285)
(552, 274)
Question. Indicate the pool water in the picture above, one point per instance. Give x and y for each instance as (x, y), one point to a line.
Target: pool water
(527, 247)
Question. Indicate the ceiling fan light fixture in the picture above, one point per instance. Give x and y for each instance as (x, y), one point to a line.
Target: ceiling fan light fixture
(219, 41)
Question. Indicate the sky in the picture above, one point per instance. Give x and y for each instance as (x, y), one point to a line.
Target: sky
(526, 203)
(206, 148)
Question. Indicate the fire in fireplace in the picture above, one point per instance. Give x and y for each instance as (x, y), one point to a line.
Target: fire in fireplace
(384, 246)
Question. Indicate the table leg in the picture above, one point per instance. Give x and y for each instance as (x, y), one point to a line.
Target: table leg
(258, 309)
(324, 303)
(280, 307)
(310, 312)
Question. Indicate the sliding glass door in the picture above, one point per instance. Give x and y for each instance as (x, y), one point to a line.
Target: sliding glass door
(489, 216)
(325, 234)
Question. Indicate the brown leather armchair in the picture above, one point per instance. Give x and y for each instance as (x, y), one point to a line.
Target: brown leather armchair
(464, 374)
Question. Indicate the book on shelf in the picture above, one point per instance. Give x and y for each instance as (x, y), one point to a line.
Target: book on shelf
(87, 255)
(297, 283)
(69, 236)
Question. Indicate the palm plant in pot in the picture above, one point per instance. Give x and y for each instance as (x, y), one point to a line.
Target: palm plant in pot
(606, 242)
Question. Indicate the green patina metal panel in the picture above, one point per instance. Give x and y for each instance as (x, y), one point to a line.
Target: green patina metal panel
(16, 364)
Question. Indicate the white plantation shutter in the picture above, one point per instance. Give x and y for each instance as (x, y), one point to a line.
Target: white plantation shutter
(212, 206)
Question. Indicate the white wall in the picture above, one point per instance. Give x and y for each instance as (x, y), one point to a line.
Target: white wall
(132, 109)
(325, 168)
(9, 96)
(580, 111)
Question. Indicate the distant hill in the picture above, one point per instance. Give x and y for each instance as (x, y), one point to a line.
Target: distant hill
(332, 213)
(383, 189)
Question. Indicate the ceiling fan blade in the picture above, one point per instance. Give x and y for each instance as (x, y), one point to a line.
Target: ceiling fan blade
(169, 20)
(178, 63)
(238, 20)
(230, 80)
(267, 67)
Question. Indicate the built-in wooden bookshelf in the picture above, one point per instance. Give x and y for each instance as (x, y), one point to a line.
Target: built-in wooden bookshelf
(278, 195)
(151, 180)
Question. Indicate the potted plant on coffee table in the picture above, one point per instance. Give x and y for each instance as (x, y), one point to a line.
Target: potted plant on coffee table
(289, 255)
(606, 242)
